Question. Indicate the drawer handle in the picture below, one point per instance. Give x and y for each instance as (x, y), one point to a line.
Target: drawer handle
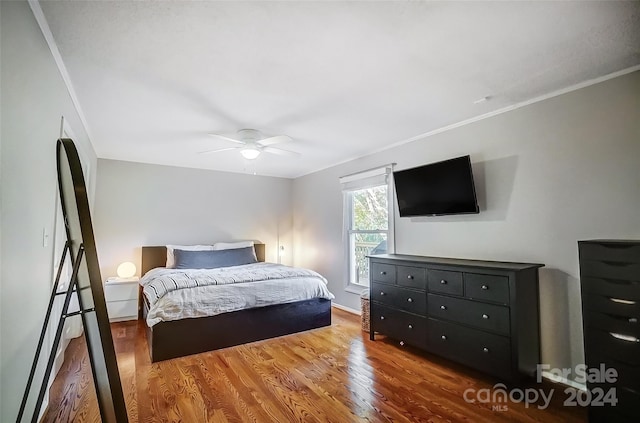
(402, 343)
(616, 264)
(485, 349)
(383, 273)
(485, 287)
(443, 282)
(410, 326)
(410, 277)
(442, 307)
(633, 320)
(443, 337)
(382, 293)
(410, 299)
(485, 316)
(621, 301)
(624, 337)
(381, 317)
(616, 246)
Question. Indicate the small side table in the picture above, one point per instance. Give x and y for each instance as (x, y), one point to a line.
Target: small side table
(121, 295)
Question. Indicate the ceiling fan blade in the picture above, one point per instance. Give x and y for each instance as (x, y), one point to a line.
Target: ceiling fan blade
(280, 151)
(279, 139)
(222, 137)
(218, 150)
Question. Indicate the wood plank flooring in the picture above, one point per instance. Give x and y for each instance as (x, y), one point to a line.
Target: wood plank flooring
(333, 374)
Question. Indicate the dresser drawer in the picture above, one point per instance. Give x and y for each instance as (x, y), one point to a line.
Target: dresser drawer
(609, 415)
(627, 409)
(384, 320)
(611, 305)
(628, 375)
(611, 345)
(487, 287)
(484, 351)
(383, 272)
(445, 281)
(412, 330)
(490, 317)
(624, 252)
(118, 291)
(405, 327)
(402, 298)
(412, 277)
(121, 310)
(610, 270)
(627, 290)
(613, 323)
(628, 403)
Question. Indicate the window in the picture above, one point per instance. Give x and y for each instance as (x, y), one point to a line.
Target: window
(368, 222)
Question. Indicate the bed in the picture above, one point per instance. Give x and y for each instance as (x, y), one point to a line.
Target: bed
(178, 338)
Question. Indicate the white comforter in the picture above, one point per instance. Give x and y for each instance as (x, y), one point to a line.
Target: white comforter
(225, 289)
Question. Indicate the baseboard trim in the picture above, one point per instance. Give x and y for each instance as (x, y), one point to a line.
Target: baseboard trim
(347, 309)
(563, 381)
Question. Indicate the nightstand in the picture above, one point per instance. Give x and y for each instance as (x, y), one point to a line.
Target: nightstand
(121, 295)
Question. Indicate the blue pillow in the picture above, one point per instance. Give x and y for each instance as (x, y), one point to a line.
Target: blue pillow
(209, 259)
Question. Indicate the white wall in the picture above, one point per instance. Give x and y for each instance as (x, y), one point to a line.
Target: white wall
(547, 175)
(141, 204)
(34, 98)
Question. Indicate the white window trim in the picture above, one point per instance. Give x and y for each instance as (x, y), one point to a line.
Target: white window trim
(362, 180)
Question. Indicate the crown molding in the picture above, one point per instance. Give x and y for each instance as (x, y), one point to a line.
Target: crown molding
(38, 14)
(538, 99)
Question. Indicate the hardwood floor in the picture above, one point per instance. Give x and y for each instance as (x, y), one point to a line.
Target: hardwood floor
(333, 374)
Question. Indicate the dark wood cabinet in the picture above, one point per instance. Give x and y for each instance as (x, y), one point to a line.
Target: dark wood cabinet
(610, 285)
(483, 314)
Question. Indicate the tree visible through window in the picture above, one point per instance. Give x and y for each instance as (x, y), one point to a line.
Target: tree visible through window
(368, 229)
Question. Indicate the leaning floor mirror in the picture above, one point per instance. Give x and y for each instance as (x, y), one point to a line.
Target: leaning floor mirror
(86, 285)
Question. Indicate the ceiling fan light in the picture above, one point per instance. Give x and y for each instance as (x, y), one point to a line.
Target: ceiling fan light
(250, 153)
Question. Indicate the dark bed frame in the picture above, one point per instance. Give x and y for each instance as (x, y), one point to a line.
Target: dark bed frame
(179, 338)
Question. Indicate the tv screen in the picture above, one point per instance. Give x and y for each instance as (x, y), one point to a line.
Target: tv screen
(437, 189)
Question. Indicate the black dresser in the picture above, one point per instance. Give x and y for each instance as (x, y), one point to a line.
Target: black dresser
(483, 314)
(610, 284)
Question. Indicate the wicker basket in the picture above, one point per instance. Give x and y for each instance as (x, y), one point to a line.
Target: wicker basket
(365, 308)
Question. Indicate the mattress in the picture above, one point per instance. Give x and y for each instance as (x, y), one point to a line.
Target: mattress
(175, 294)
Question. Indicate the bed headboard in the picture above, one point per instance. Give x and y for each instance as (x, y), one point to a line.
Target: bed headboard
(156, 256)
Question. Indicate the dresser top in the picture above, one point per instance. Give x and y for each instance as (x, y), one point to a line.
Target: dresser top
(611, 241)
(502, 265)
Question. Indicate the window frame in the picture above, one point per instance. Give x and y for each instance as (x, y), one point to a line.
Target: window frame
(372, 178)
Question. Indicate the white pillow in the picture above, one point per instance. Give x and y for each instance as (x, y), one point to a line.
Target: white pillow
(232, 245)
(171, 261)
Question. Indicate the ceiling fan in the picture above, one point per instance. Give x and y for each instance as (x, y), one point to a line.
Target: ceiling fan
(252, 143)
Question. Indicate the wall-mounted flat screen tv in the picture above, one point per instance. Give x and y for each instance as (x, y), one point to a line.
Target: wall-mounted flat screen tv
(435, 189)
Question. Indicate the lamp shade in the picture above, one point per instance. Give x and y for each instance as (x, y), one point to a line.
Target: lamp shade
(126, 270)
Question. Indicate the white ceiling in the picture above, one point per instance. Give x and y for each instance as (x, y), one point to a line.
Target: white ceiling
(341, 78)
